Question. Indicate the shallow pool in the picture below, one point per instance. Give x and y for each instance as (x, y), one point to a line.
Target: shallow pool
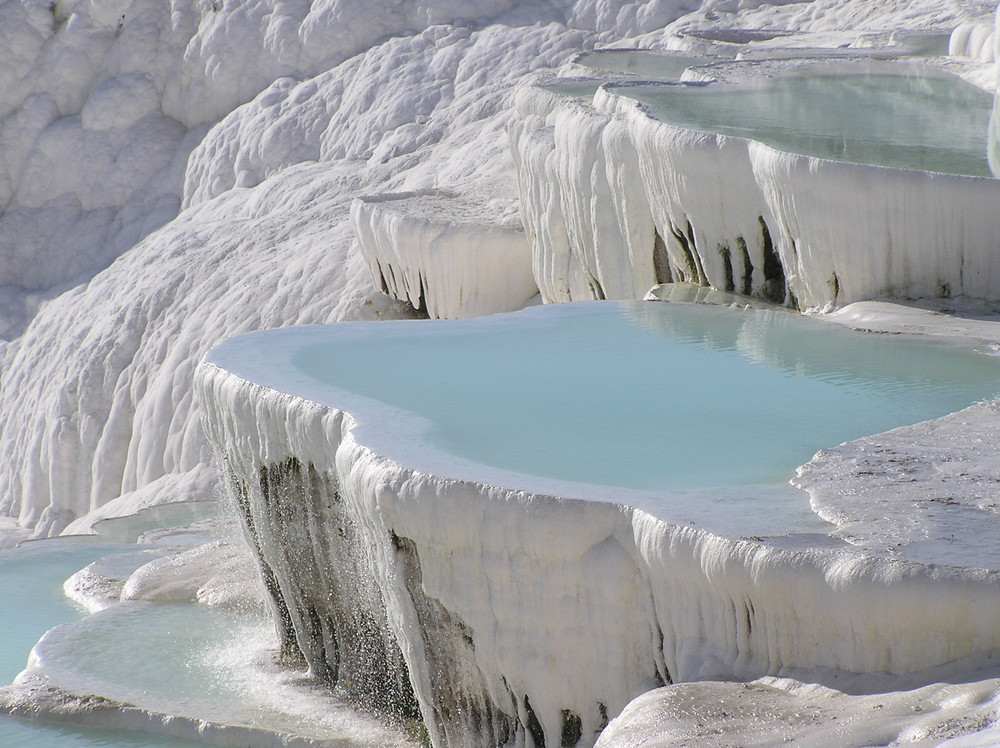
(638, 401)
(885, 115)
(32, 602)
(180, 658)
(647, 66)
(657, 66)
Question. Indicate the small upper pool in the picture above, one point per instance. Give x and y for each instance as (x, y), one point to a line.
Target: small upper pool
(642, 402)
(886, 115)
(656, 66)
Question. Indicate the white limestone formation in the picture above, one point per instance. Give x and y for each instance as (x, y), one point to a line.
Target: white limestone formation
(450, 256)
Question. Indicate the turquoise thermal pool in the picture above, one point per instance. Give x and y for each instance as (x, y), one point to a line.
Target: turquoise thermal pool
(911, 121)
(661, 405)
(167, 658)
(647, 65)
(31, 581)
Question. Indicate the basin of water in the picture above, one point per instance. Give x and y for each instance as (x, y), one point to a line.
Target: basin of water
(656, 66)
(650, 66)
(182, 659)
(31, 579)
(661, 405)
(884, 115)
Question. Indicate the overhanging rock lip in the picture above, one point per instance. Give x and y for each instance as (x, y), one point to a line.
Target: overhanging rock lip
(398, 436)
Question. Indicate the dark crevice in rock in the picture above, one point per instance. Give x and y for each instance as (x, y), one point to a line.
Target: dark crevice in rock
(746, 282)
(774, 273)
(727, 268)
(534, 727)
(463, 710)
(572, 729)
(660, 670)
(661, 260)
(382, 285)
(792, 302)
(702, 279)
(595, 288)
(420, 308)
(690, 272)
(393, 284)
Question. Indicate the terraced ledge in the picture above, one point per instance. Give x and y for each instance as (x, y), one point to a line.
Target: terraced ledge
(449, 255)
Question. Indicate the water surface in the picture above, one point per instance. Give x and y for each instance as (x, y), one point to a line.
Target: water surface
(31, 580)
(655, 66)
(928, 122)
(646, 395)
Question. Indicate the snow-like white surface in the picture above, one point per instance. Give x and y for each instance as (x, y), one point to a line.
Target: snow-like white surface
(777, 711)
(668, 601)
(597, 179)
(96, 392)
(200, 569)
(924, 492)
(102, 104)
(95, 395)
(973, 40)
(450, 256)
(260, 121)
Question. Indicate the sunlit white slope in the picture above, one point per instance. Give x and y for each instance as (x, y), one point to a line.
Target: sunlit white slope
(102, 102)
(94, 398)
(96, 393)
(519, 614)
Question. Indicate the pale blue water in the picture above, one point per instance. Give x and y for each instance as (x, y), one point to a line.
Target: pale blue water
(882, 117)
(183, 659)
(31, 734)
(576, 88)
(31, 579)
(649, 65)
(641, 395)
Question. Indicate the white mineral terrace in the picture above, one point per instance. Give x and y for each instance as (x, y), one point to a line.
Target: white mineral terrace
(456, 567)
(173, 174)
(448, 255)
(639, 185)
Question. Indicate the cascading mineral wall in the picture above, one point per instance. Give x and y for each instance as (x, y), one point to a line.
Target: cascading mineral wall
(449, 255)
(486, 652)
(502, 616)
(608, 192)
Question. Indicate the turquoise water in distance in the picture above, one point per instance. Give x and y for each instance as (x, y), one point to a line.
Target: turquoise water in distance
(30, 734)
(649, 396)
(908, 121)
(649, 65)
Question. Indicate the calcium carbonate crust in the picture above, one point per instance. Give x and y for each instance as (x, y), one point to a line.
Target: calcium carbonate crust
(617, 601)
(259, 121)
(615, 201)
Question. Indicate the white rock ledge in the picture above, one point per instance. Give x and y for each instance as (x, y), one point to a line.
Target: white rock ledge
(615, 201)
(448, 255)
(501, 615)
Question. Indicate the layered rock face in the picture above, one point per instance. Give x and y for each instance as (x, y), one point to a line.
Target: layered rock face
(615, 200)
(499, 615)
